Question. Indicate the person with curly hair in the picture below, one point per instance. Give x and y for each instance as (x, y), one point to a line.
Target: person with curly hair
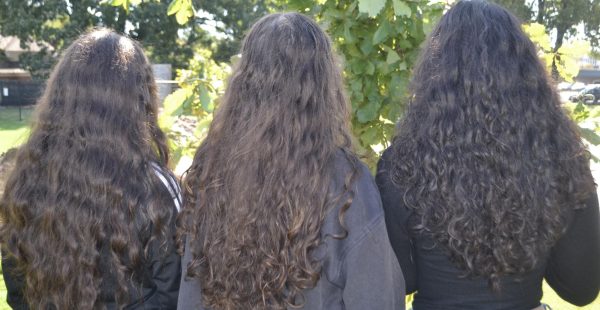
(486, 187)
(88, 214)
(278, 211)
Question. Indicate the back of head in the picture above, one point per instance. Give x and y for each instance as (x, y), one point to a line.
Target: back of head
(258, 189)
(487, 158)
(81, 195)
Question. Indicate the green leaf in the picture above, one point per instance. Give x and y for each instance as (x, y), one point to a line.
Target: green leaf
(394, 112)
(368, 112)
(401, 8)
(356, 86)
(589, 135)
(174, 7)
(205, 99)
(173, 103)
(371, 7)
(348, 36)
(392, 57)
(389, 130)
(357, 67)
(402, 66)
(382, 33)
(370, 68)
(202, 127)
(183, 16)
(369, 136)
(399, 84)
(405, 44)
(366, 47)
(580, 113)
(352, 50)
(126, 5)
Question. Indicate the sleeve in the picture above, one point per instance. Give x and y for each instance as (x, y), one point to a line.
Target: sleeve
(165, 266)
(373, 278)
(573, 269)
(396, 218)
(14, 284)
(190, 292)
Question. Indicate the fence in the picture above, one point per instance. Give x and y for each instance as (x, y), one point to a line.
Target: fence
(20, 93)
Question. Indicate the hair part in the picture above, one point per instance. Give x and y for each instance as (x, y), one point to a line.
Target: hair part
(487, 159)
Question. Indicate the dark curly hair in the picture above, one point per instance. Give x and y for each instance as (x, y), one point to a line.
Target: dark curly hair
(485, 155)
(260, 184)
(83, 201)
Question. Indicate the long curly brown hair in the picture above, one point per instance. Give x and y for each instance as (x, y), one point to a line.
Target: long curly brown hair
(260, 184)
(83, 201)
(486, 157)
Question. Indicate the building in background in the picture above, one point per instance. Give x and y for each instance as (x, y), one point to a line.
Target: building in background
(10, 51)
(18, 89)
(589, 72)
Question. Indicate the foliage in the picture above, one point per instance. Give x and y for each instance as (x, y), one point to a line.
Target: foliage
(56, 23)
(588, 120)
(562, 18)
(233, 18)
(189, 109)
(379, 43)
(565, 58)
(182, 9)
(565, 62)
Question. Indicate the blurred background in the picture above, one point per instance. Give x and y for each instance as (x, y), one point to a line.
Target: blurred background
(194, 43)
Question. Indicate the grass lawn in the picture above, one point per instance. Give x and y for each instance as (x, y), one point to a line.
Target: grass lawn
(557, 303)
(3, 305)
(13, 131)
(550, 298)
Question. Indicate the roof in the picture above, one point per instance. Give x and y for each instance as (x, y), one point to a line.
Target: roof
(588, 73)
(13, 44)
(14, 73)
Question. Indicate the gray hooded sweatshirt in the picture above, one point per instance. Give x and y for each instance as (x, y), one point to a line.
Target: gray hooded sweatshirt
(358, 272)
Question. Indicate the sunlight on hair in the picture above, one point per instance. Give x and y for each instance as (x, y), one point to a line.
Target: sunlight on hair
(126, 46)
(99, 34)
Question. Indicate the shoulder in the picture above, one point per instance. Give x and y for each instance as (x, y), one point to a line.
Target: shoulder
(365, 211)
(384, 166)
(391, 193)
(169, 182)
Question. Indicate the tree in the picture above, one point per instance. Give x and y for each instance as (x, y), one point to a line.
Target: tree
(56, 23)
(233, 19)
(561, 18)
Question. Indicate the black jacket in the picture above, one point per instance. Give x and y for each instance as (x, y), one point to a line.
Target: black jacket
(157, 287)
(572, 268)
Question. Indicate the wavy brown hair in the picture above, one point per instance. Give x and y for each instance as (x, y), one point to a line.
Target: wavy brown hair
(260, 184)
(83, 201)
(487, 158)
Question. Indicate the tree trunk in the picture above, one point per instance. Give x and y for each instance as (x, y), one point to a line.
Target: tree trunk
(541, 11)
(560, 35)
(121, 19)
